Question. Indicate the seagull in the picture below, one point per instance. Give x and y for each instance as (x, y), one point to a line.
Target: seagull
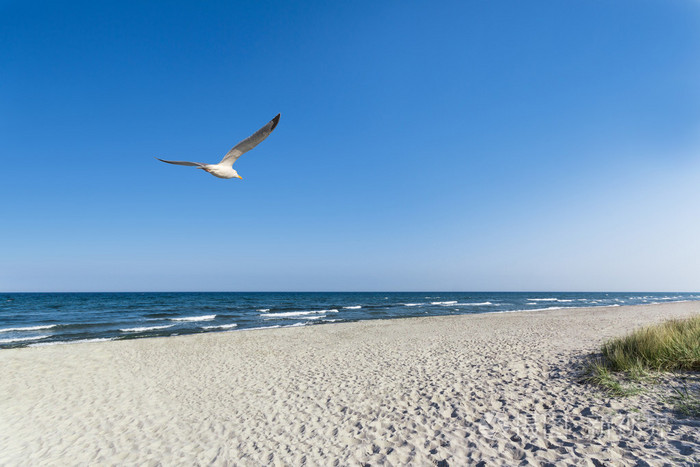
(224, 169)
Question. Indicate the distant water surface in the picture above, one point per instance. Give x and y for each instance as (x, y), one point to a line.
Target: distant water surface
(34, 319)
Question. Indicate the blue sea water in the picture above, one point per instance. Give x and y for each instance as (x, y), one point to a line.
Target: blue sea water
(36, 319)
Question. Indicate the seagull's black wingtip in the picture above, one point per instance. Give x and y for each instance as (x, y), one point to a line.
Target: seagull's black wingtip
(275, 121)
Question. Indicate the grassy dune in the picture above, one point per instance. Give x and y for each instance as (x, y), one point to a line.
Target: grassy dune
(672, 346)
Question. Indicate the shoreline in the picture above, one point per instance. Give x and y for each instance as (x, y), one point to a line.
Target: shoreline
(498, 386)
(234, 327)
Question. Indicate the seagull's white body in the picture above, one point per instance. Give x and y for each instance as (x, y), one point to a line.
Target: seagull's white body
(224, 169)
(220, 170)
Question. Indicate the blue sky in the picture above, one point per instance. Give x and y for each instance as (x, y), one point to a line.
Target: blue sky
(459, 145)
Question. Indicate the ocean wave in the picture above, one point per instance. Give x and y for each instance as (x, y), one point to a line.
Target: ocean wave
(264, 310)
(412, 304)
(23, 339)
(80, 341)
(568, 307)
(354, 307)
(666, 302)
(195, 318)
(313, 317)
(29, 328)
(452, 302)
(147, 328)
(287, 314)
(542, 299)
(274, 327)
(548, 308)
(519, 310)
(221, 326)
(476, 304)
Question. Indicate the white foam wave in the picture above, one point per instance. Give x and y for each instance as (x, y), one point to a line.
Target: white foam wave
(542, 299)
(532, 309)
(222, 326)
(195, 318)
(81, 341)
(288, 314)
(264, 310)
(444, 303)
(556, 308)
(275, 326)
(412, 304)
(475, 304)
(22, 339)
(356, 307)
(262, 327)
(29, 328)
(147, 328)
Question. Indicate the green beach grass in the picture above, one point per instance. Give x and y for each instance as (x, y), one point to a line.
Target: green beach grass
(672, 346)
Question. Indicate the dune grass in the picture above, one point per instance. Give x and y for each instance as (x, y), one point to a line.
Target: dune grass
(686, 401)
(670, 346)
(599, 374)
(673, 345)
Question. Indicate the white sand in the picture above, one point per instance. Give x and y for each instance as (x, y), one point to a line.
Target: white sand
(495, 387)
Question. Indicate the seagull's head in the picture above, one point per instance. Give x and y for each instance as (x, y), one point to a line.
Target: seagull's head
(235, 175)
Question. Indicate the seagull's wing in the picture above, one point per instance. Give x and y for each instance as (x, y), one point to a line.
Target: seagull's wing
(250, 142)
(193, 164)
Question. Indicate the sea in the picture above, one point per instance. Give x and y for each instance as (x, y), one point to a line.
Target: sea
(40, 319)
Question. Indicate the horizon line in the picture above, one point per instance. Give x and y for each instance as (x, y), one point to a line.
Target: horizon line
(351, 291)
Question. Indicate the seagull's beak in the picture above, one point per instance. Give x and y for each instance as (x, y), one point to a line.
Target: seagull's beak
(239, 177)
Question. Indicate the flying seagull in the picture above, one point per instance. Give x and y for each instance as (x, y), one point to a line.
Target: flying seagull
(224, 169)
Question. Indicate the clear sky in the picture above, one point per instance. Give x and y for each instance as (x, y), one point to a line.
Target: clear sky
(453, 145)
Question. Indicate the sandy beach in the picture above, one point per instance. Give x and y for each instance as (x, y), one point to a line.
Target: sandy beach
(498, 388)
